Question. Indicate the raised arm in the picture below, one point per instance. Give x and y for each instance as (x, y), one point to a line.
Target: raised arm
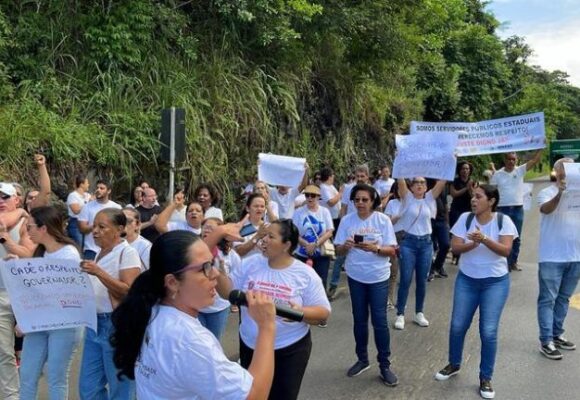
(438, 188)
(163, 218)
(534, 160)
(44, 191)
(304, 178)
(403, 188)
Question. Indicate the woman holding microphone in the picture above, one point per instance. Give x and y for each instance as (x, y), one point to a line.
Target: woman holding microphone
(367, 239)
(292, 283)
(160, 342)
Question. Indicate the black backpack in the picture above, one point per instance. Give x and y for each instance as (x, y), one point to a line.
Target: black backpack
(471, 215)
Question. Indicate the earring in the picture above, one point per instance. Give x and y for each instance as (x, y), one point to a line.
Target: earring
(173, 295)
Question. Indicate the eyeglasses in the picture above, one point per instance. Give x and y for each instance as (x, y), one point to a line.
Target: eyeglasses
(206, 267)
(415, 182)
(362, 200)
(4, 196)
(310, 195)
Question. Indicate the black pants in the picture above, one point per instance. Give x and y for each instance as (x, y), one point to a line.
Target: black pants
(289, 367)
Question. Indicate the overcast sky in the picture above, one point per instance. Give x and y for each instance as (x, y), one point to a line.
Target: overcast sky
(551, 29)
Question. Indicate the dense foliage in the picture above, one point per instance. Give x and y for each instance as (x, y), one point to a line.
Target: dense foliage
(332, 80)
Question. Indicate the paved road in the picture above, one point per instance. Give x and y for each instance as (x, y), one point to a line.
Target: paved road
(521, 371)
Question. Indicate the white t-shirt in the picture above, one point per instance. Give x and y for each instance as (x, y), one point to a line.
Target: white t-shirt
(350, 208)
(481, 262)
(214, 212)
(510, 186)
(123, 256)
(327, 192)
(88, 214)
(285, 202)
(365, 266)
(75, 197)
(393, 209)
(182, 226)
(178, 215)
(143, 247)
(311, 225)
(413, 222)
(383, 186)
(182, 360)
(297, 283)
(275, 209)
(232, 262)
(67, 252)
(559, 231)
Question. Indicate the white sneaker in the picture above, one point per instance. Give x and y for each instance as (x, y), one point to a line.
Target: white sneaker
(400, 322)
(421, 320)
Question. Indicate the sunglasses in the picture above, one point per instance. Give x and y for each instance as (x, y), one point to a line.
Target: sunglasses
(4, 196)
(310, 195)
(362, 200)
(419, 182)
(206, 267)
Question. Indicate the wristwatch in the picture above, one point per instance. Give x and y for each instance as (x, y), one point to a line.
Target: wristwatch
(379, 250)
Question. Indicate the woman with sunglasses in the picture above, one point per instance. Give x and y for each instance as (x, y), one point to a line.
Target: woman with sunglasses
(315, 226)
(112, 273)
(55, 347)
(256, 228)
(416, 249)
(160, 342)
(367, 239)
(193, 216)
(292, 283)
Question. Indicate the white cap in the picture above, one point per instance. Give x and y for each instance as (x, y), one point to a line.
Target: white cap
(7, 188)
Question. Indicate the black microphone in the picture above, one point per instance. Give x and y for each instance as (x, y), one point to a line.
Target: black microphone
(238, 298)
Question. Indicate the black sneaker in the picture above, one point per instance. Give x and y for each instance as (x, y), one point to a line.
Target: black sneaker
(549, 350)
(485, 389)
(561, 343)
(442, 273)
(358, 368)
(323, 324)
(331, 293)
(447, 372)
(431, 276)
(388, 377)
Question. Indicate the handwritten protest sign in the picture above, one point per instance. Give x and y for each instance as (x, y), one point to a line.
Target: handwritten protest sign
(519, 133)
(278, 170)
(430, 156)
(570, 201)
(48, 294)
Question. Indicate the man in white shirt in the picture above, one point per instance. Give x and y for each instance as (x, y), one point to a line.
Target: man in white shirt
(510, 183)
(559, 264)
(87, 217)
(285, 196)
(361, 175)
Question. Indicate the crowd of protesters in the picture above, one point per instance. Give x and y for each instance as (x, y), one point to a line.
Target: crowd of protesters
(162, 276)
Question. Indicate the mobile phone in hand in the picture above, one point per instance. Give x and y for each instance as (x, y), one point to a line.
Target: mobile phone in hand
(359, 238)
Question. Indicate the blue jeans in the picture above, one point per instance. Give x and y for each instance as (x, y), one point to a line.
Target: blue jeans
(337, 267)
(558, 282)
(516, 214)
(56, 348)
(74, 232)
(97, 368)
(215, 322)
(416, 254)
(490, 295)
(374, 296)
(440, 237)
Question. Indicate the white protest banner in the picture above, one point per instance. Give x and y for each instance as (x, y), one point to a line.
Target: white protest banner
(572, 176)
(48, 294)
(570, 201)
(278, 170)
(519, 133)
(430, 156)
